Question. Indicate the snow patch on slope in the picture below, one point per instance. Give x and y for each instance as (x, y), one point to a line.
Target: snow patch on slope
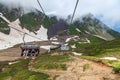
(68, 39)
(73, 46)
(77, 54)
(78, 30)
(46, 47)
(100, 37)
(15, 36)
(1, 15)
(110, 58)
(96, 35)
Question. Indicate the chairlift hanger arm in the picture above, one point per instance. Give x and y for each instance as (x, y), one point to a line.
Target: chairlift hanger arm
(24, 38)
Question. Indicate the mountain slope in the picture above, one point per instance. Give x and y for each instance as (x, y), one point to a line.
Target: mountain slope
(91, 25)
(4, 27)
(99, 48)
(31, 19)
(57, 28)
(11, 13)
(67, 66)
(37, 24)
(16, 22)
(17, 32)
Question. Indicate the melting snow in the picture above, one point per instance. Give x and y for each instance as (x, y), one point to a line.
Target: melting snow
(78, 30)
(110, 58)
(46, 47)
(15, 37)
(55, 42)
(77, 54)
(73, 46)
(1, 15)
(88, 41)
(53, 38)
(95, 35)
(68, 39)
(100, 37)
(10, 63)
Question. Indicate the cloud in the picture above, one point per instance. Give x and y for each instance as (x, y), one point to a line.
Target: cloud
(107, 11)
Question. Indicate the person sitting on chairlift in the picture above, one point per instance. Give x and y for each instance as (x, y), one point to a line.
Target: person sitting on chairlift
(33, 51)
(25, 53)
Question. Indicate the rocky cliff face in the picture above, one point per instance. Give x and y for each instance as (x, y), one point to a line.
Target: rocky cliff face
(91, 25)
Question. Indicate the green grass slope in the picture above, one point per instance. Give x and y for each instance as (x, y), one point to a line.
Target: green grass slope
(100, 48)
(47, 62)
(93, 25)
(19, 71)
(4, 27)
(22, 71)
(31, 21)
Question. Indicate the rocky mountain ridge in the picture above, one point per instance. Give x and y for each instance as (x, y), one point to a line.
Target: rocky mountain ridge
(31, 23)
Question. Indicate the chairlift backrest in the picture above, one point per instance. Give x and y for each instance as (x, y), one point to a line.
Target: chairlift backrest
(29, 46)
(30, 49)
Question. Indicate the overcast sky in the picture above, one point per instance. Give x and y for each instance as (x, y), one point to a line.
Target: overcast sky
(107, 11)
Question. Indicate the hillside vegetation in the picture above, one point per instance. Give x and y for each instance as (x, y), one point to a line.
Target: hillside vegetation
(99, 47)
(66, 65)
(48, 66)
(19, 71)
(11, 13)
(4, 27)
(94, 26)
(46, 62)
(34, 19)
(31, 21)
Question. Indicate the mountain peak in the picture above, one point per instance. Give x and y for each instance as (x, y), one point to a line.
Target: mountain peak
(94, 26)
(88, 15)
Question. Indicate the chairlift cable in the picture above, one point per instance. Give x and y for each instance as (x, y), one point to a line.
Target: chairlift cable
(41, 6)
(44, 17)
(42, 20)
(26, 33)
(74, 11)
(41, 9)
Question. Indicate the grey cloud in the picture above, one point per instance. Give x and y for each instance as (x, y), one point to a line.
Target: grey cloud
(109, 9)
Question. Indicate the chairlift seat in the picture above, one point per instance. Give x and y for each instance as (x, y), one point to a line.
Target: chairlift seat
(30, 46)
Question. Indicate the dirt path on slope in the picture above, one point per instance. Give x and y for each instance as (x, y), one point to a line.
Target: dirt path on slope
(81, 69)
(10, 54)
(78, 69)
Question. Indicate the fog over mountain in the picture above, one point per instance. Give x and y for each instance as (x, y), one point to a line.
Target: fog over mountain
(105, 10)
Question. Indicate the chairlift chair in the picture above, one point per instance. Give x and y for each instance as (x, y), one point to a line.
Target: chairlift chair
(30, 46)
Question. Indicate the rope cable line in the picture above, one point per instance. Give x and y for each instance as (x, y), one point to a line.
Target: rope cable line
(44, 17)
(74, 11)
(41, 6)
(42, 10)
(42, 21)
(26, 33)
